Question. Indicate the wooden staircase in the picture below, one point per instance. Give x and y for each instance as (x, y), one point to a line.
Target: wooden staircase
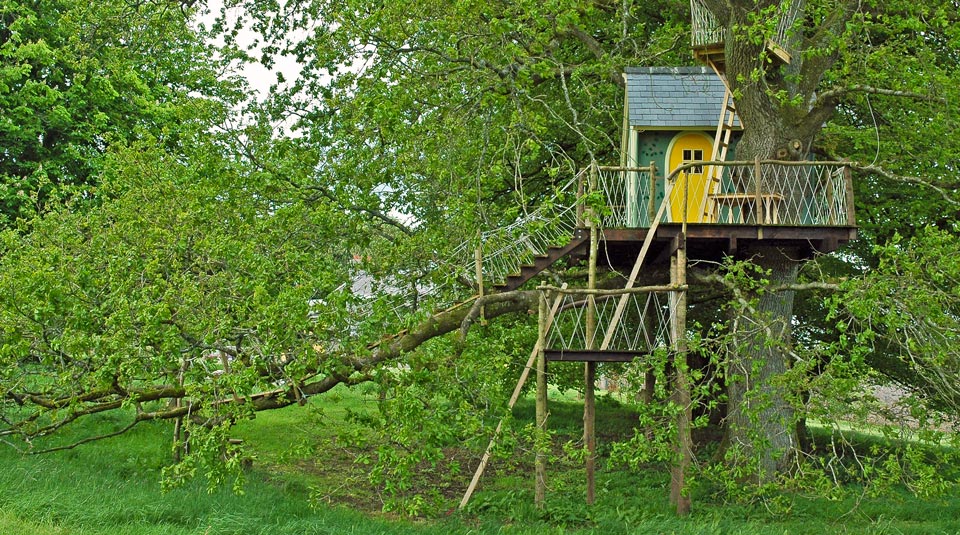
(578, 242)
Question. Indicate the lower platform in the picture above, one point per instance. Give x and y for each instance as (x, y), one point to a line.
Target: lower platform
(583, 355)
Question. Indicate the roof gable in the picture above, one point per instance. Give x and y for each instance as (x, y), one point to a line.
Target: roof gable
(674, 97)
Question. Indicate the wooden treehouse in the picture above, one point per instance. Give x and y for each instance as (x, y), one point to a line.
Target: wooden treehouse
(678, 195)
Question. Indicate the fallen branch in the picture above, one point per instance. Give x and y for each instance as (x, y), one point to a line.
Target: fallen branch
(348, 369)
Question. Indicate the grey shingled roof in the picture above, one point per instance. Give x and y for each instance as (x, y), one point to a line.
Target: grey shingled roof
(674, 97)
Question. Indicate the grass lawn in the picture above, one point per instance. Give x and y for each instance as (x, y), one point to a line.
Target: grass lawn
(303, 482)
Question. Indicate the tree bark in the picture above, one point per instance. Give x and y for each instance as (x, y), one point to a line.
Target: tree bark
(760, 419)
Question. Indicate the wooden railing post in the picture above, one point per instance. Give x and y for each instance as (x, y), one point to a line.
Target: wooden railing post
(848, 192)
(757, 203)
(540, 434)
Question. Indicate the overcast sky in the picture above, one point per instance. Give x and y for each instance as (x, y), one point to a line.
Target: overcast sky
(260, 77)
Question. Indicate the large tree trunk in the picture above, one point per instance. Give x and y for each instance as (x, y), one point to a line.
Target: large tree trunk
(760, 419)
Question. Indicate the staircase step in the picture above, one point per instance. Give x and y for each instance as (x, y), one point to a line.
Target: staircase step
(541, 262)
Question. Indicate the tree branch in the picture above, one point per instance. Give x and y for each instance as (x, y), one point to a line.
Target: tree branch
(588, 40)
(799, 287)
(832, 96)
(876, 170)
(351, 370)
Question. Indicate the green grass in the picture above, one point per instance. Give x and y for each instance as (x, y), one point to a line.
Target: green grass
(303, 482)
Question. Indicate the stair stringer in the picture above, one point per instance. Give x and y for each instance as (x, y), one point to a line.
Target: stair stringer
(580, 239)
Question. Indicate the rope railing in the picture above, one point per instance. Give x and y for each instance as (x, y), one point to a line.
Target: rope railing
(759, 192)
(625, 189)
(706, 31)
(506, 249)
(642, 327)
(765, 192)
(704, 28)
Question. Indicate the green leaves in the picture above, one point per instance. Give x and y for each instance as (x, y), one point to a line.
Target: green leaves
(76, 77)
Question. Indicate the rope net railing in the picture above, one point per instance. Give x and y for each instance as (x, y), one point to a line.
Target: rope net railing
(769, 193)
(706, 31)
(704, 28)
(766, 192)
(643, 326)
(626, 192)
(505, 250)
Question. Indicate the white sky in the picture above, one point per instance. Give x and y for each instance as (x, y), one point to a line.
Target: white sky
(259, 77)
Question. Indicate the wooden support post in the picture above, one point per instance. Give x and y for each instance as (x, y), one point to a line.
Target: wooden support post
(681, 394)
(590, 368)
(649, 326)
(589, 428)
(541, 437)
(513, 401)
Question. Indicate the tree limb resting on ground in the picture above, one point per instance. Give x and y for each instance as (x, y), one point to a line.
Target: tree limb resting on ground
(352, 369)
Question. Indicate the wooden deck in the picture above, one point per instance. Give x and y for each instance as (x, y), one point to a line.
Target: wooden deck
(714, 242)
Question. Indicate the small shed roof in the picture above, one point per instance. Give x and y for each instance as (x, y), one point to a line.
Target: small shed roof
(674, 97)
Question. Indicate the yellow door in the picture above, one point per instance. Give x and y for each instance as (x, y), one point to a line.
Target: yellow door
(685, 148)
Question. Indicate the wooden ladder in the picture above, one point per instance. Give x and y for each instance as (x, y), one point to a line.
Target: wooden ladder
(721, 142)
(728, 115)
(721, 145)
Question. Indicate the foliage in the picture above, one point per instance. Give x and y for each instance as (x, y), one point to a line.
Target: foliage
(63, 492)
(186, 282)
(905, 313)
(77, 77)
(219, 269)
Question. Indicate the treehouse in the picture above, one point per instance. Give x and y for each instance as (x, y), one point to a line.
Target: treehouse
(680, 135)
(670, 118)
(679, 194)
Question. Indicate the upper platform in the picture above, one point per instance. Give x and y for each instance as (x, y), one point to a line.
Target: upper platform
(713, 209)
(709, 242)
(707, 36)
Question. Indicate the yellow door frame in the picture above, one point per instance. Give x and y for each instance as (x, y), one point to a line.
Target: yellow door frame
(699, 144)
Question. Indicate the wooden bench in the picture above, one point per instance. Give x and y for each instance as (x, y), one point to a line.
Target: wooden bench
(747, 203)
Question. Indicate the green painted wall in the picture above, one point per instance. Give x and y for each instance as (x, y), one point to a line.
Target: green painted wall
(652, 146)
